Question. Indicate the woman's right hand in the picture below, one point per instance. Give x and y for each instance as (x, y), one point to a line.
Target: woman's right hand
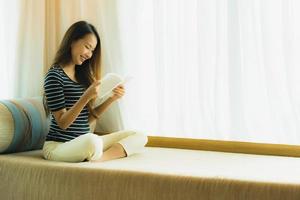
(92, 90)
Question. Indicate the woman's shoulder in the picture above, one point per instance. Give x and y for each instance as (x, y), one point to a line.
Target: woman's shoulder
(55, 68)
(55, 71)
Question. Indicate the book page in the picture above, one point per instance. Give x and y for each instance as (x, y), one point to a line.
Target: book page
(109, 82)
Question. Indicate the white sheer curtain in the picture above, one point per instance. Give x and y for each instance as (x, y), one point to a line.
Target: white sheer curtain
(8, 35)
(226, 70)
(22, 48)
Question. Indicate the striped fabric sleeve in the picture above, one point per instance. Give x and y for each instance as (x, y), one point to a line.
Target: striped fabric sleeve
(53, 87)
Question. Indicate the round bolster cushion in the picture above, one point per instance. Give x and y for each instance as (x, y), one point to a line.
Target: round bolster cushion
(23, 125)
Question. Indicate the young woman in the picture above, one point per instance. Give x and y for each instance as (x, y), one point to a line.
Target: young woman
(71, 86)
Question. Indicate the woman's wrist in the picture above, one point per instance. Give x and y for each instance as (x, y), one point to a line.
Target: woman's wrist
(111, 99)
(102, 107)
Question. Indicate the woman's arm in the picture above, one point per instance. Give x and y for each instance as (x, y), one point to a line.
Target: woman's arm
(100, 109)
(65, 118)
(118, 93)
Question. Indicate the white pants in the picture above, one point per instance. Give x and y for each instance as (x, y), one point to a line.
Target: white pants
(91, 146)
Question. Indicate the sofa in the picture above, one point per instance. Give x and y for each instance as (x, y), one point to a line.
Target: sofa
(157, 173)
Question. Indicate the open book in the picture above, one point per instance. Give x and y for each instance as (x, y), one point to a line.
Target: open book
(109, 82)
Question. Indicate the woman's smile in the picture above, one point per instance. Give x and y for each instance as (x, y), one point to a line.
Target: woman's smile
(82, 58)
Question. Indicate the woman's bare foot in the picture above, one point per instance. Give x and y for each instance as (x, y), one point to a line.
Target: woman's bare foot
(114, 152)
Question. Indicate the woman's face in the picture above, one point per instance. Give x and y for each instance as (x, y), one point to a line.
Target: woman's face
(83, 48)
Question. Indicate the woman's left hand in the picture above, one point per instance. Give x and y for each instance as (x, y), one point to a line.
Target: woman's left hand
(118, 92)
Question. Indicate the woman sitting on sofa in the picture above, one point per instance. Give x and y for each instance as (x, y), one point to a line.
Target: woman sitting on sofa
(71, 86)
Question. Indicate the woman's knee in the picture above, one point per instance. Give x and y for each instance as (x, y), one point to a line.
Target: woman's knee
(134, 143)
(89, 140)
(140, 137)
(143, 138)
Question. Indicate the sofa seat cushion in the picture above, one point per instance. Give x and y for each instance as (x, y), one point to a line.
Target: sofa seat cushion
(157, 173)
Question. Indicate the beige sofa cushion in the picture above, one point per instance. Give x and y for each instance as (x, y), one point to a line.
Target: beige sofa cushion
(155, 174)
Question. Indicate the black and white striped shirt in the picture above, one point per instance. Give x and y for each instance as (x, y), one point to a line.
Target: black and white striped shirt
(62, 92)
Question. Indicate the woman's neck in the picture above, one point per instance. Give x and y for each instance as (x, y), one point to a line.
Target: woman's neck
(70, 68)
